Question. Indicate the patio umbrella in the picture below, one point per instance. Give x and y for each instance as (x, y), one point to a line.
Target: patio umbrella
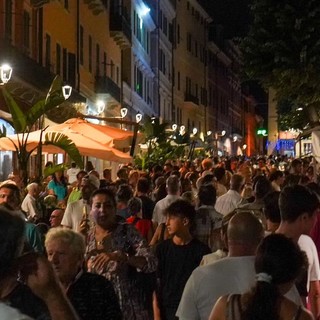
(85, 145)
(110, 136)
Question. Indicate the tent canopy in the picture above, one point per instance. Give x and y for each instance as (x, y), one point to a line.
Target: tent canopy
(85, 145)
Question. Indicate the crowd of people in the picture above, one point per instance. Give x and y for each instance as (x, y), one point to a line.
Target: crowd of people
(215, 238)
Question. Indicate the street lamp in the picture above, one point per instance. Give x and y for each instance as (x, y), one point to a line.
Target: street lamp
(5, 73)
(123, 112)
(100, 106)
(66, 91)
(138, 117)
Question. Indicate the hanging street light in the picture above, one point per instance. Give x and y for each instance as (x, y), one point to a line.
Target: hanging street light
(5, 73)
(66, 91)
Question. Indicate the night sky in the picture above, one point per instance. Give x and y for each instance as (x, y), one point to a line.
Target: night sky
(234, 15)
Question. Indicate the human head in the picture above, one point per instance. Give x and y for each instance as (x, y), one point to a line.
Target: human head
(297, 202)
(280, 257)
(89, 183)
(10, 194)
(184, 211)
(107, 174)
(11, 240)
(173, 185)
(245, 232)
(124, 194)
(80, 176)
(271, 210)
(207, 195)
(189, 196)
(65, 250)
(220, 173)
(143, 186)
(262, 187)
(276, 175)
(134, 206)
(122, 174)
(237, 182)
(103, 208)
(296, 166)
(207, 164)
(56, 218)
(33, 189)
(73, 165)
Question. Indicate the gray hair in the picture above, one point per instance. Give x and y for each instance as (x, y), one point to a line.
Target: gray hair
(32, 186)
(74, 239)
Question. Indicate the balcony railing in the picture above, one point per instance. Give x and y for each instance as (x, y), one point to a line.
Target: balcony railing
(120, 28)
(25, 67)
(188, 97)
(105, 85)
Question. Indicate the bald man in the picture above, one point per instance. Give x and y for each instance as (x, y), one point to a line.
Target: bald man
(233, 274)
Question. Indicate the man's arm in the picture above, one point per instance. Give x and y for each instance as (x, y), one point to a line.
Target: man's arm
(314, 298)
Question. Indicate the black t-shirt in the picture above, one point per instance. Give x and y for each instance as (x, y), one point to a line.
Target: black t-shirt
(147, 207)
(175, 266)
(94, 298)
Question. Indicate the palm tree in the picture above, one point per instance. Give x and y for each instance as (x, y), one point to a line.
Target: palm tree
(24, 123)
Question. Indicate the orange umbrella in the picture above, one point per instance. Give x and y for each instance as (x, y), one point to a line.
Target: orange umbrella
(110, 136)
(85, 145)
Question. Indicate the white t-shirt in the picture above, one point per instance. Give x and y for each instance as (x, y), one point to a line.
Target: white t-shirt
(9, 313)
(158, 211)
(228, 202)
(73, 214)
(207, 283)
(72, 175)
(307, 245)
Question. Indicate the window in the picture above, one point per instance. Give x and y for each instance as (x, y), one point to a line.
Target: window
(178, 80)
(8, 20)
(25, 30)
(97, 60)
(117, 75)
(48, 51)
(90, 53)
(165, 25)
(104, 64)
(64, 64)
(58, 59)
(81, 44)
(111, 69)
(189, 42)
(178, 33)
(139, 82)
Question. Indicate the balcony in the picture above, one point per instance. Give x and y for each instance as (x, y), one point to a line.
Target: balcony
(188, 97)
(25, 67)
(120, 29)
(105, 85)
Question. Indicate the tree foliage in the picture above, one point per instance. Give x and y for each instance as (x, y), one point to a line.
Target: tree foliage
(282, 49)
(162, 144)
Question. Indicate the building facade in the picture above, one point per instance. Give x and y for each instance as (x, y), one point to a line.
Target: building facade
(157, 58)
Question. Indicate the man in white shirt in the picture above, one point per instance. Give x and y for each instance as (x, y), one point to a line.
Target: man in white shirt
(29, 203)
(298, 210)
(230, 200)
(173, 190)
(76, 210)
(72, 173)
(233, 274)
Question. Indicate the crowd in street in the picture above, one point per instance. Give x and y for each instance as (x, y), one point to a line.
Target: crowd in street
(215, 238)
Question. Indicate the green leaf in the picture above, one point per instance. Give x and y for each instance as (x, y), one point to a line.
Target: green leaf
(55, 89)
(50, 170)
(63, 142)
(19, 119)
